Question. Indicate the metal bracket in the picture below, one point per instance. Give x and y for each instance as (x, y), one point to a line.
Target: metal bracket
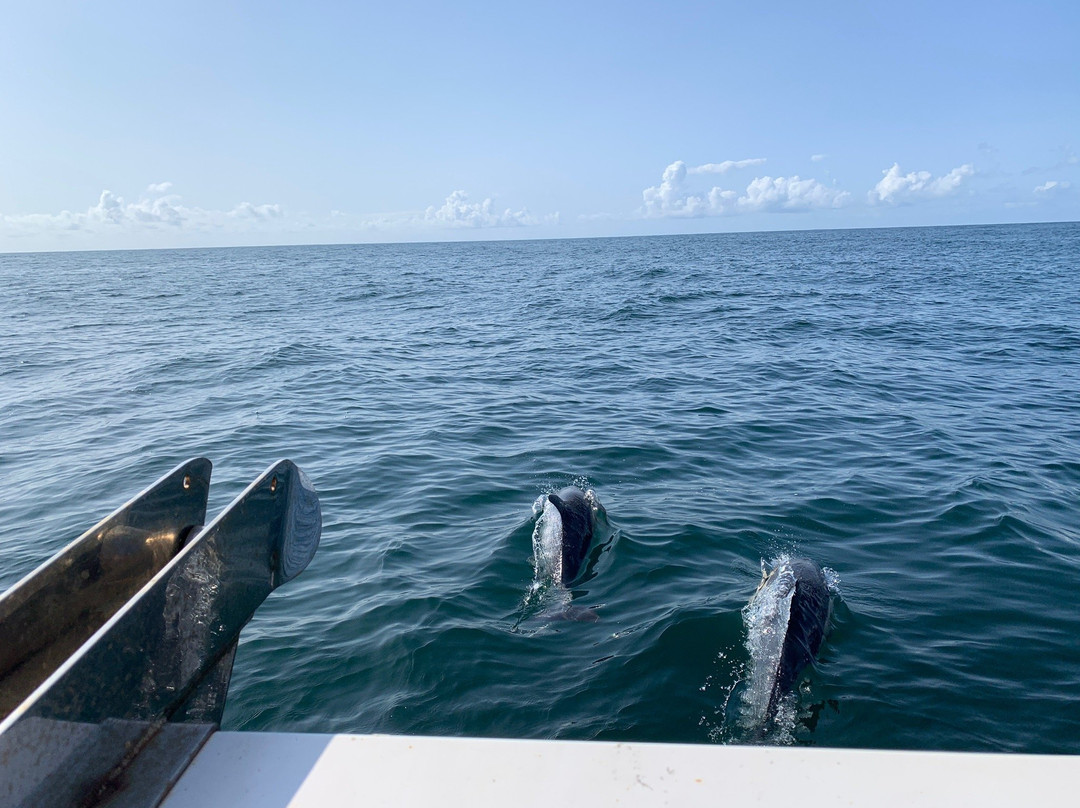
(101, 727)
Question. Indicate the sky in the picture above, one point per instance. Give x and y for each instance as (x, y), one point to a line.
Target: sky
(146, 125)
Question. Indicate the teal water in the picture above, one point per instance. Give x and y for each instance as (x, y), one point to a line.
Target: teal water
(902, 406)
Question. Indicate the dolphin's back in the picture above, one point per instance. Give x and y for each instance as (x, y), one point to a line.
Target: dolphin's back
(810, 605)
(577, 529)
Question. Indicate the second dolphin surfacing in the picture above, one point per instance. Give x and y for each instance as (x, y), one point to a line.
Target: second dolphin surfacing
(786, 621)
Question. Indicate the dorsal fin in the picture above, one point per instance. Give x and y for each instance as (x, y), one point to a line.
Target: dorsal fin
(560, 506)
(574, 510)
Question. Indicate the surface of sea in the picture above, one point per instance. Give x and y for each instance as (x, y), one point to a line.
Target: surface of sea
(902, 406)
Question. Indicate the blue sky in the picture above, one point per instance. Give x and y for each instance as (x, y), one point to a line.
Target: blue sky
(201, 124)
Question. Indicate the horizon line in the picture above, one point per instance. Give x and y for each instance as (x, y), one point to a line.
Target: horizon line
(506, 239)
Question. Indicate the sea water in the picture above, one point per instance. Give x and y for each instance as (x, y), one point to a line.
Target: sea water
(901, 406)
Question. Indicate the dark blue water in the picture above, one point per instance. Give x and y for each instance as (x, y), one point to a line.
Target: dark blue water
(902, 406)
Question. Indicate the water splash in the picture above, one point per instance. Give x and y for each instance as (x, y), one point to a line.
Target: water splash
(766, 617)
(832, 580)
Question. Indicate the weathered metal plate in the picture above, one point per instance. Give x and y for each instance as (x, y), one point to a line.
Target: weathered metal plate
(47, 615)
(165, 655)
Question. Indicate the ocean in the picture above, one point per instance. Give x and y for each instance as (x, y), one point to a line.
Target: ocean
(902, 406)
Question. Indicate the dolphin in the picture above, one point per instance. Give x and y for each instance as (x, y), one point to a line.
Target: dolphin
(787, 619)
(563, 543)
(562, 538)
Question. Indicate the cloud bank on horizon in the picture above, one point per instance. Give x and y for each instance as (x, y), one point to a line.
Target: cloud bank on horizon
(457, 211)
(683, 192)
(158, 211)
(763, 194)
(155, 210)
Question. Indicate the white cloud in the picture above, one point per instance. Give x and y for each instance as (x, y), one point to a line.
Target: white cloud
(895, 187)
(457, 211)
(261, 213)
(792, 193)
(671, 198)
(726, 166)
(161, 218)
(1051, 185)
(817, 158)
(155, 210)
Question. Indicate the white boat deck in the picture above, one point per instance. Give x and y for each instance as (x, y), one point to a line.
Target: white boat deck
(275, 770)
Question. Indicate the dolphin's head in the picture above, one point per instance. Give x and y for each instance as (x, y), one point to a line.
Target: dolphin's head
(781, 578)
